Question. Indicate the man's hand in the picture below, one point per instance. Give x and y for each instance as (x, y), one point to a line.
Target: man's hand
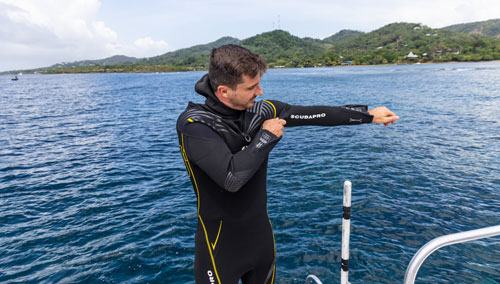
(383, 115)
(275, 126)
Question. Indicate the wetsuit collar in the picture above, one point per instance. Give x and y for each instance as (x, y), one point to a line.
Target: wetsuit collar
(204, 88)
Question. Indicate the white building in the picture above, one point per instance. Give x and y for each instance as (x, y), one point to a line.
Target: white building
(411, 55)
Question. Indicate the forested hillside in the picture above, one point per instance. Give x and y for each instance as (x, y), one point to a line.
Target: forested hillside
(391, 44)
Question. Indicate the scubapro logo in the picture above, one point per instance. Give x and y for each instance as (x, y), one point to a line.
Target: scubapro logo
(308, 116)
(355, 120)
(211, 276)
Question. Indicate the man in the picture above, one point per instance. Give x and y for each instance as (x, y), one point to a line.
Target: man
(225, 144)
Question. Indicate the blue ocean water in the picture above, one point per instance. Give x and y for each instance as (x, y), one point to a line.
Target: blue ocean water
(93, 188)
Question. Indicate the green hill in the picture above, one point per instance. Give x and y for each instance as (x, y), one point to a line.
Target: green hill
(185, 59)
(280, 48)
(193, 56)
(74, 67)
(490, 28)
(341, 36)
(392, 43)
(113, 60)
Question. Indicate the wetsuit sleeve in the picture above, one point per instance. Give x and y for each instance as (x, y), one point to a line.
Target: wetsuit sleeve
(207, 150)
(322, 115)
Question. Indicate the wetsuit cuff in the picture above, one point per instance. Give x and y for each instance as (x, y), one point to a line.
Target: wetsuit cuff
(367, 117)
(264, 139)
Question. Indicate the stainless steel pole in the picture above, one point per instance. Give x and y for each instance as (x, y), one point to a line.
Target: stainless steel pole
(346, 231)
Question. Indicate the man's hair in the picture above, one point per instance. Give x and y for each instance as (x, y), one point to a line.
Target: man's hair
(229, 62)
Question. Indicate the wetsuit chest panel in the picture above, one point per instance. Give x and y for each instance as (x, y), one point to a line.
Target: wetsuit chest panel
(237, 132)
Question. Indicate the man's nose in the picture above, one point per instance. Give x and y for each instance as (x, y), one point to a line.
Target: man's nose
(259, 91)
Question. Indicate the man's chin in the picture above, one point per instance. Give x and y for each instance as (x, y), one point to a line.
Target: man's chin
(251, 103)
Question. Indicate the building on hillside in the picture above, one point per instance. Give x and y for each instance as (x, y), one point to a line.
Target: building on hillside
(411, 55)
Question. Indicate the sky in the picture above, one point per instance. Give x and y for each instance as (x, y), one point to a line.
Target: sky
(40, 33)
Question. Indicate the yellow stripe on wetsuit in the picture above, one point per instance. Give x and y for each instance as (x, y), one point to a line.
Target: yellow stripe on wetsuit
(217, 238)
(272, 106)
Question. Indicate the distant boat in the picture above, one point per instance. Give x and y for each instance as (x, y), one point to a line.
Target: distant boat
(15, 78)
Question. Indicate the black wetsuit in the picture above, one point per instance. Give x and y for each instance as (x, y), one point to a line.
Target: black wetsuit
(225, 152)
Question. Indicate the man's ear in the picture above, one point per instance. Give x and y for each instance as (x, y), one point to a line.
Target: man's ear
(223, 91)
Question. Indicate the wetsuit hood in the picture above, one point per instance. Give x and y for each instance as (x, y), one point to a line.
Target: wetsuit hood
(204, 88)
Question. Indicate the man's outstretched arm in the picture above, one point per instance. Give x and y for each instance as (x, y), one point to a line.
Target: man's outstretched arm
(332, 115)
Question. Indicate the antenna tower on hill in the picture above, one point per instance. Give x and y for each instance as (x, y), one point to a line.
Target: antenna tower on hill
(274, 24)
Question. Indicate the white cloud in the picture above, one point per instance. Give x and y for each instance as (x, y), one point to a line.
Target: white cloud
(142, 47)
(147, 46)
(43, 33)
(148, 42)
(102, 31)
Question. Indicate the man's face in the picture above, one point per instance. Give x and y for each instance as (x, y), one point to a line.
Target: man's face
(243, 97)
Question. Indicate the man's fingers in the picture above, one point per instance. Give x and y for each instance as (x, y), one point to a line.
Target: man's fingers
(282, 121)
(275, 126)
(389, 120)
(393, 118)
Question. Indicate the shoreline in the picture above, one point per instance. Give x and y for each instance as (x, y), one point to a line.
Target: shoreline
(117, 71)
(403, 64)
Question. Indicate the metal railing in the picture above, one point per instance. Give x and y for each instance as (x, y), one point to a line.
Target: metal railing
(439, 242)
(418, 258)
(311, 278)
